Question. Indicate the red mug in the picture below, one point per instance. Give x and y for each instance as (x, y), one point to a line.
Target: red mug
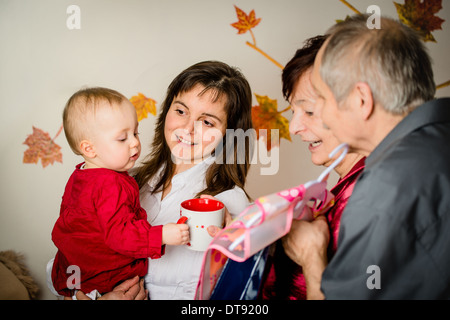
(202, 213)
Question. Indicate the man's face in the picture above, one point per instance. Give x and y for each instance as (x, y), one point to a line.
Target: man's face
(339, 118)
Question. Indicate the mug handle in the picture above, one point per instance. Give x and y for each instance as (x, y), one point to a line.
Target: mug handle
(182, 220)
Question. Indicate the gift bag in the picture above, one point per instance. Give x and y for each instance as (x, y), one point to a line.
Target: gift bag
(247, 277)
(249, 235)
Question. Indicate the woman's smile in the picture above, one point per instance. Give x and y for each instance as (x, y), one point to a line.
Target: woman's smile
(184, 141)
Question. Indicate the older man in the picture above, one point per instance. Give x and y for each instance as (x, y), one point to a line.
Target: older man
(376, 93)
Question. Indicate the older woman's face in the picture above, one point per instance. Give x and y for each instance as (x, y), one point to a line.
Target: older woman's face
(307, 124)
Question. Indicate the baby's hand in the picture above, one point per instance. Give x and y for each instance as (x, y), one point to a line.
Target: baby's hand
(175, 234)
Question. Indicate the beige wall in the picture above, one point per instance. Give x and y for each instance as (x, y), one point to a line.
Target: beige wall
(137, 46)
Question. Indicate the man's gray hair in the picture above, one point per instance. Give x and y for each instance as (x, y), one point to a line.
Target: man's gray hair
(392, 60)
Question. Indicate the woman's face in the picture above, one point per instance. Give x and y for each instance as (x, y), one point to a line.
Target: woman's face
(194, 125)
(307, 124)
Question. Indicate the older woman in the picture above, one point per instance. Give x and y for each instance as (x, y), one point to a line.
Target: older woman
(286, 278)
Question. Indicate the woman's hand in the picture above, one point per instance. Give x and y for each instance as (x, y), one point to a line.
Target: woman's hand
(213, 230)
(306, 244)
(306, 239)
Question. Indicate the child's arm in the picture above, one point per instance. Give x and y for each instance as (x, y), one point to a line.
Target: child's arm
(123, 223)
(175, 234)
(133, 237)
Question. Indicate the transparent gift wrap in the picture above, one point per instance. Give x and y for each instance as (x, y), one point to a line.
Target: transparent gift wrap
(268, 219)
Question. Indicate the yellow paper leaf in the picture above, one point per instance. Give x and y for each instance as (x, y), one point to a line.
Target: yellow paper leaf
(143, 105)
(245, 22)
(266, 116)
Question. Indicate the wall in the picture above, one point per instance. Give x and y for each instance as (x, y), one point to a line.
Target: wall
(138, 46)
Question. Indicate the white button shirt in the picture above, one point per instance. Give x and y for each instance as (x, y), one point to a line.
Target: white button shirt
(175, 275)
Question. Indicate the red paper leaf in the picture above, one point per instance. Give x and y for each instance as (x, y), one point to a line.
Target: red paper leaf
(41, 146)
(420, 16)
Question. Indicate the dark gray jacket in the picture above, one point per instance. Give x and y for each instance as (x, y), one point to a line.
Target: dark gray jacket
(394, 240)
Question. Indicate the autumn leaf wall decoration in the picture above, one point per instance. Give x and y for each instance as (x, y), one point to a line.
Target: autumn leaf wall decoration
(265, 116)
(420, 16)
(417, 14)
(41, 146)
(246, 22)
(143, 106)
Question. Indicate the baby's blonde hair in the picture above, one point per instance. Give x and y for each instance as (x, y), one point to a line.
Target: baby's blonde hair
(80, 110)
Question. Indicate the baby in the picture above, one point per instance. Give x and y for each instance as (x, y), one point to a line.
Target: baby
(102, 229)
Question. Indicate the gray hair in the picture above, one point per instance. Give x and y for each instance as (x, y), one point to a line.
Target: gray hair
(392, 60)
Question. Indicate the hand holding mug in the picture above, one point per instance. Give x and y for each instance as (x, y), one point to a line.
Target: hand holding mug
(202, 213)
(175, 234)
(214, 230)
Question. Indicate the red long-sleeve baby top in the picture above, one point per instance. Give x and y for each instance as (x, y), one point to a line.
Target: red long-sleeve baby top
(103, 230)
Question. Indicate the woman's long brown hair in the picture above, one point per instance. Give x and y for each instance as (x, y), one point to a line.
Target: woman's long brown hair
(223, 81)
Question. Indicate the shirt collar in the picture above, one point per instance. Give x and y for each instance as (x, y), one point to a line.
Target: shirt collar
(343, 183)
(181, 178)
(198, 170)
(433, 111)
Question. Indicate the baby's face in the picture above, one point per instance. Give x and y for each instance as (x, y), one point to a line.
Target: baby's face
(115, 137)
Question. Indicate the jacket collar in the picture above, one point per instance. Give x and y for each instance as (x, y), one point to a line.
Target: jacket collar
(434, 111)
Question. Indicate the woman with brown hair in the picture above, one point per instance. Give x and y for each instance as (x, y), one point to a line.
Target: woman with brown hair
(194, 153)
(287, 280)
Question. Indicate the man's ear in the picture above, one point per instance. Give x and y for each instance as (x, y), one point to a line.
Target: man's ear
(365, 99)
(87, 149)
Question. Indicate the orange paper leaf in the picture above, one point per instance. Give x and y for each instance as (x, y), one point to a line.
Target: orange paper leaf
(41, 146)
(143, 106)
(266, 116)
(246, 22)
(420, 16)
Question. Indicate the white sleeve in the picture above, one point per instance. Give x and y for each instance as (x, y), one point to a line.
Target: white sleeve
(48, 269)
